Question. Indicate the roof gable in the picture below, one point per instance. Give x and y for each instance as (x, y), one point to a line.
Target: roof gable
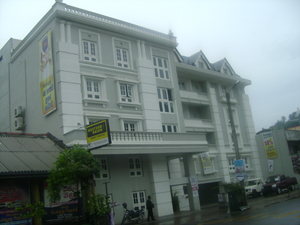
(223, 66)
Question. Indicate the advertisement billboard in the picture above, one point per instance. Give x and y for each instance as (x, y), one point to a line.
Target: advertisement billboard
(13, 194)
(65, 210)
(206, 163)
(269, 145)
(47, 87)
(98, 134)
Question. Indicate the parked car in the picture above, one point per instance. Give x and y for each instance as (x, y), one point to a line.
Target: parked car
(253, 187)
(279, 183)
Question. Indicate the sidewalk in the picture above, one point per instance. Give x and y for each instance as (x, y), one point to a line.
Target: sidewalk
(213, 212)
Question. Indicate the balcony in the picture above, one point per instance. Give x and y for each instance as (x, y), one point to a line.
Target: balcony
(198, 125)
(141, 142)
(194, 97)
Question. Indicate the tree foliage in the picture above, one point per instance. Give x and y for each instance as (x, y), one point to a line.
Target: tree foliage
(294, 120)
(73, 166)
(32, 210)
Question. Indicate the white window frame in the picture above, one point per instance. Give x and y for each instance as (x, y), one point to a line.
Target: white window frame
(95, 41)
(122, 47)
(166, 105)
(102, 89)
(126, 92)
(89, 51)
(182, 85)
(161, 69)
(135, 167)
(139, 199)
(134, 94)
(130, 126)
(122, 57)
(168, 128)
(137, 121)
(104, 173)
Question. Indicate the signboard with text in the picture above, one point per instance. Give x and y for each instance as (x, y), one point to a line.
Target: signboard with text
(240, 169)
(269, 145)
(66, 210)
(206, 163)
(13, 194)
(98, 134)
(47, 87)
(194, 184)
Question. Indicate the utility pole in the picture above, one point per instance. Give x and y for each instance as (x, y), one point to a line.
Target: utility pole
(234, 138)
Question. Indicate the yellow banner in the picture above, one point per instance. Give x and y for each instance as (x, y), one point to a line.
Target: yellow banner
(206, 163)
(269, 145)
(46, 74)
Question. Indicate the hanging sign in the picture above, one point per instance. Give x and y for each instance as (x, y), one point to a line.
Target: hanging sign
(206, 163)
(269, 145)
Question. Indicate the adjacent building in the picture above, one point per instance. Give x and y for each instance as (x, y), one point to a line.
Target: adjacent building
(165, 110)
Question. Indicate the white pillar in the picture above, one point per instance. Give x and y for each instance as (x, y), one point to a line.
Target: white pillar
(62, 31)
(68, 32)
(160, 186)
(143, 50)
(139, 49)
(189, 168)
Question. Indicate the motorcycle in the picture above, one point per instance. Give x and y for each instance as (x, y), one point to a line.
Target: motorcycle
(132, 216)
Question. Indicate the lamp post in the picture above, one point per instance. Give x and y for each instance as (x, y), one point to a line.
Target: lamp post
(234, 137)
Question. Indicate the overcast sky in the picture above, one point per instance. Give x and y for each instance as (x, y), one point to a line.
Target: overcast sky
(259, 38)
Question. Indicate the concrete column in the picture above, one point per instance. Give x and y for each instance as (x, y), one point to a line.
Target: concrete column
(223, 163)
(189, 168)
(62, 31)
(159, 180)
(68, 32)
(143, 50)
(139, 49)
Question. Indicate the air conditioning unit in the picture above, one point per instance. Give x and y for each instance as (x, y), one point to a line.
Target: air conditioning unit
(18, 111)
(19, 123)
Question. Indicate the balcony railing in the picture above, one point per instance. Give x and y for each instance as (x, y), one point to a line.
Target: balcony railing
(198, 123)
(125, 136)
(189, 96)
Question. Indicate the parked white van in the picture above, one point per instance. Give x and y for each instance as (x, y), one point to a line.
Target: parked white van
(253, 187)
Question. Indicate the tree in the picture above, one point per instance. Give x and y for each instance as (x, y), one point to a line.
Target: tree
(73, 166)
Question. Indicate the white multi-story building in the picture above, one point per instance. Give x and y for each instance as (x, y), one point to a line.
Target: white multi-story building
(76, 67)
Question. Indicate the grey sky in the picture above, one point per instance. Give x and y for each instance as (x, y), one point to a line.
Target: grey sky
(259, 38)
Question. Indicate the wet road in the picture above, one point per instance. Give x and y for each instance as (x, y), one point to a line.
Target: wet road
(277, 209)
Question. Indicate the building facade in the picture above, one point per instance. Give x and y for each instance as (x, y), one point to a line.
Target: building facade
(76, 67)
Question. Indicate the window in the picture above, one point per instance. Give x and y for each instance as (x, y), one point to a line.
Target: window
(93, 89)
(135, 167)
(200, 64)
(126, 92)
(104, 172)
(122, 57)
(161, 68)
(165, 100)
(181, 85)
(169, 128)
(139, 199)
(225, 71)
(130, 126)
(89, 51)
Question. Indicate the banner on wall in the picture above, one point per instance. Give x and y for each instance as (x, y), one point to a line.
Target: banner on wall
(65, 210)
(194, 184)
(47, 87)
(206, 162)
(271, 165)
(269, 145)
(240, 169)
(13, 194)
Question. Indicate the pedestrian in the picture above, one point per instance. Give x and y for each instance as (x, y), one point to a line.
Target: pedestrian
(150, 206)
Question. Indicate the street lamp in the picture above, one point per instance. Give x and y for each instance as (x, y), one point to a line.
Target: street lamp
(234, 137)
